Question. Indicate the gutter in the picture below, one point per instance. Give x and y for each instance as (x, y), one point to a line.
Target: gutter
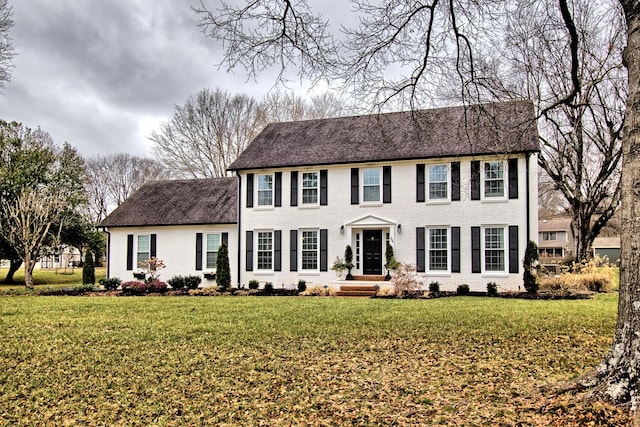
(104, 230)
(527, 157)
(238, 227)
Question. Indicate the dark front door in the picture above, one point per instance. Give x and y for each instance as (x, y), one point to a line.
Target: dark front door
(372, 249)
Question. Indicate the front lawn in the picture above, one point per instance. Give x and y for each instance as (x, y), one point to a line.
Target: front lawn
(49, 277)
(172, 361)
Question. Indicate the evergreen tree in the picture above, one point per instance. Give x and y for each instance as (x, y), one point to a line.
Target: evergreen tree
(88, 270)
(223, 274)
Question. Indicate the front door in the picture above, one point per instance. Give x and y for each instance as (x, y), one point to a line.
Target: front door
(372, 249)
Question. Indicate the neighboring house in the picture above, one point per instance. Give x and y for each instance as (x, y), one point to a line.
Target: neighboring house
(181, 222)
(556, 241)
(453, 190)
(607, 247)
(63, 256)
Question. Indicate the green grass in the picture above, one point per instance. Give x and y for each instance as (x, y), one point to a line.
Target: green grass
(49, 277)
(172, 361)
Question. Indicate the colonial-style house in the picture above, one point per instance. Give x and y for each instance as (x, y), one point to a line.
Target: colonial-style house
(181, 222)
(453, 190)
(556, 240)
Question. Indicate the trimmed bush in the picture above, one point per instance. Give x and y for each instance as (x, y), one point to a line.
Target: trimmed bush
(157, 286)
(434, 287)
(268, 288)
(176, 282)
(135, 287)
(88, 270)
(463, 289)
(302, 285)
(192, 282)
(110, 283)
(254, 284)
(529, 263)
(223, 273)
(492, 289)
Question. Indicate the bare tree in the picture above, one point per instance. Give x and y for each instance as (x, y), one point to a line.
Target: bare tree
(421, 39)
(279, 106)
(6, 45)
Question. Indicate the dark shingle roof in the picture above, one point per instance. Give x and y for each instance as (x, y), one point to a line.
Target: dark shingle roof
(178, 202)
(443, 132)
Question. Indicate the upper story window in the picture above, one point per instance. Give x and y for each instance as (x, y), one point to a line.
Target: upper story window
(438, 249)
(213, 244)
(143, 251)
(494, 249)
(265, 250)
(371, 188)
(438, 182)
(493, 179)
(310, 186)
(265, 190)
(310, 250)
(549, 235)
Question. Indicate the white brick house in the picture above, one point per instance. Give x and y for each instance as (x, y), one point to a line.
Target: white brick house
(454, 190)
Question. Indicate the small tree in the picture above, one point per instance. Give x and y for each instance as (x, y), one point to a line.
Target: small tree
(348, 261)
(88, 270)
(530, 264)
(391, 263)
(406, 280)
(223, 274)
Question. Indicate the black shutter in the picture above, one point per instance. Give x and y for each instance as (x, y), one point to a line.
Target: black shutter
(475, 250)
(294, 188)
(249, 190)
(455, 249)
(154, 245)
(293, 250)
(420, 183)
(129, 252)
(198, 251)
(277, 250)
(386, 184)
(323, 187)
(249, 251)
(513, 178)
(475, 180)
(225, 238)
(420, 254)
(455, 181)
(355, 190)
(323, 250)
(278, 189)
(514, 261)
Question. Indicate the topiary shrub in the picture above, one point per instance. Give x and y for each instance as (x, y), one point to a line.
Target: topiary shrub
(302, 285)
(463, 289)
(88, 270)
(192, 282)
(434, 287)
(530, 264)
(268, 288)
(110, 283)
(176, 282)
(492, 289)
(254, 284)
(223, 273)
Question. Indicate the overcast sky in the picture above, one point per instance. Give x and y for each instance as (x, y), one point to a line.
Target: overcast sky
(102, 74)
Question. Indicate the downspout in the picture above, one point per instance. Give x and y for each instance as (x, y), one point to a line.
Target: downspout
(238, 228)
(527, 180)
(104, 230)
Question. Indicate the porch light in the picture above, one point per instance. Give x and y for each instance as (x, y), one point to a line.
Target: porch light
(342, 229)
(399, 228)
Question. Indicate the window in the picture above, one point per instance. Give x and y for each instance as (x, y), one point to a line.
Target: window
(549, 235)
(143, 251)
(494, 256)
(265, 250)
(309, 250)
(310, 188)
(493, 179)
(438, 182)
(213, 244)
(438, 249)
(371, 185)
(265, 190)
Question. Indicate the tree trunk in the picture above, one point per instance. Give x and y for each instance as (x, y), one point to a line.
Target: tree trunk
(13, 267)
(29, 264)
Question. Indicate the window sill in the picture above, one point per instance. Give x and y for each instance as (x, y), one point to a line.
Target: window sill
(263, 273)
(370, 204)
(438, 274)
(309, 206)
(263, 208)
(438, 202)
(495, 200)
(500, 274)
(309, 273)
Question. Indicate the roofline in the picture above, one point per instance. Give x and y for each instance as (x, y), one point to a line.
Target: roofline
(395, 159)
(165, 225)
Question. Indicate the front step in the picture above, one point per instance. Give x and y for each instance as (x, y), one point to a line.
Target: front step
(369, 278)
(357, 291)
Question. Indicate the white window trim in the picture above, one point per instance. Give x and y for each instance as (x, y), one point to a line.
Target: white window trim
(205, 251)
(300, 245)
(301, 190)
(504, 181)
(257, 254)
(362, 186)
(428, 181)
(257, 190)
(136, 251)
(428, 251)
(498, 273)
(548, 233)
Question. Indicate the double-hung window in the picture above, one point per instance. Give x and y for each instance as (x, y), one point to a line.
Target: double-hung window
(438, 249)
(265, 250)
(494, 179)
(438, 182)
(143, 249)
(265, 190)
(494, 249)
(549, 235)
(310, 185)
(213, 244)
(310, 250)
(371, 185)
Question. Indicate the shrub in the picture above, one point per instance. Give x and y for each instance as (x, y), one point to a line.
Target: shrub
(223, 273)
(192, 282)
(463, 289)
(134, 287)
(434, 287)
(254, 284)
(88, 270)
(302, 285)
(268, 288)
(68, 291)
(405, 279)
(177, 282)
(110, 283)
(492, 289)
(209, 291)
(156, 286)
(529, 263)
